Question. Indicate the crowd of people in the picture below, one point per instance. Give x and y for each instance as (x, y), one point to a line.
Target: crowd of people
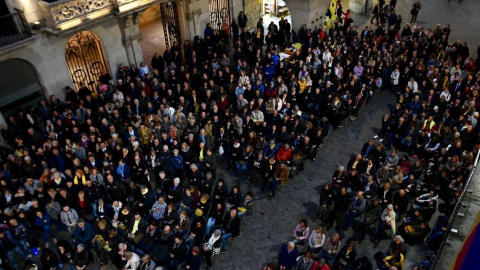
(126, 175)
(406, 181)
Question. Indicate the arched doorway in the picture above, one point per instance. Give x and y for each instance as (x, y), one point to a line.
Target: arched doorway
(21, 86)
(160, 27)
(86, 59)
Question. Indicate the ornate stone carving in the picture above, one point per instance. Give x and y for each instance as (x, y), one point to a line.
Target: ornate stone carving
(64, 11)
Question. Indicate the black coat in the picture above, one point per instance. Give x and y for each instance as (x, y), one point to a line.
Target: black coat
(234, 225)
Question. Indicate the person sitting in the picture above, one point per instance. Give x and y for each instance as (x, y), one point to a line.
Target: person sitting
(147, 263)
(424, 199)
(398, 244)
(280, 176)
(304, 262)
(331, 248)
(84, 232)
(212, 247)
(395, 260)
(288, 256)
(316, 240)
(178, 253)
(215, 218)
(301, 232)
(234, 198)
(246, 206)
(346, 257)
(284, 153)
(231, 227)
(194, 259)
(82, 258)
(133, 260)
(148, 242)
(339, 178)
(387, 220)
(357, 207)
(371, 216)
(415, 233)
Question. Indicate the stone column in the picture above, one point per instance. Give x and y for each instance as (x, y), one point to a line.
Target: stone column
(299, 12)
(131, 37)
(357, 6)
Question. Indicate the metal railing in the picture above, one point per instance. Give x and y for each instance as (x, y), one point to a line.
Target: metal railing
(13, 28)
(455, 211)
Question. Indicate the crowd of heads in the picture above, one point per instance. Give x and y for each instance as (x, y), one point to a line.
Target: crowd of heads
(130, 164)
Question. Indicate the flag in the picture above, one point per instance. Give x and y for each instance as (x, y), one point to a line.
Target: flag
(331, 14)
(467, 257)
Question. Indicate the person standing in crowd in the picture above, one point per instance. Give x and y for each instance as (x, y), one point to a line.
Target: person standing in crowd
(415, 9)
(242, 20)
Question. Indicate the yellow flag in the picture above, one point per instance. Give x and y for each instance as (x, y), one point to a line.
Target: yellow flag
(333, 16)
(333, 9)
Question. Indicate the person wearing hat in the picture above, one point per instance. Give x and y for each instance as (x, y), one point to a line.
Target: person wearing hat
(194, 259)
(271, 150)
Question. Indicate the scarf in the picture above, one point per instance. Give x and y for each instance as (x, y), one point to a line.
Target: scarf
(120, 170)
(212, 241)
(84, 181)
(135, 226)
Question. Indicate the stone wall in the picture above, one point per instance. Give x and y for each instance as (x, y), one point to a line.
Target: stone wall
(46, 53)
(357, 6)
(253, 10)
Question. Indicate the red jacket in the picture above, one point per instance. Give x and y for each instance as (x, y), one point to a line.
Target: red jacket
(284, 155)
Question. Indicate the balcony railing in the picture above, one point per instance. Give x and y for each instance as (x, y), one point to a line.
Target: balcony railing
(13, 29)
(65, 14)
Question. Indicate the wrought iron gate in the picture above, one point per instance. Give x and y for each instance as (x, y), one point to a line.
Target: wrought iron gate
(170, 21)
(86, 59)
(219, 11)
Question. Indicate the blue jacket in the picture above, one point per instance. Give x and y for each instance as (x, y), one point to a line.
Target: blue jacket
(270, 152)
(177, 162)
(84, 236)
(8, 236)
(43, 223)
(287, 259)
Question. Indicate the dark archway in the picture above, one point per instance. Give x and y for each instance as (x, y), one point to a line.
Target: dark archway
(21, 86)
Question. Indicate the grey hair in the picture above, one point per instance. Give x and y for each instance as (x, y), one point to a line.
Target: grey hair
(399, 237)
(291, 244)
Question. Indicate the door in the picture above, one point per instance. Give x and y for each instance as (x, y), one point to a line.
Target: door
(86, 59)
(170, 22)
(219, 11)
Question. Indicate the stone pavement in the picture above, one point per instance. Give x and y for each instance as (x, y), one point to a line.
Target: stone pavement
(273, 221)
